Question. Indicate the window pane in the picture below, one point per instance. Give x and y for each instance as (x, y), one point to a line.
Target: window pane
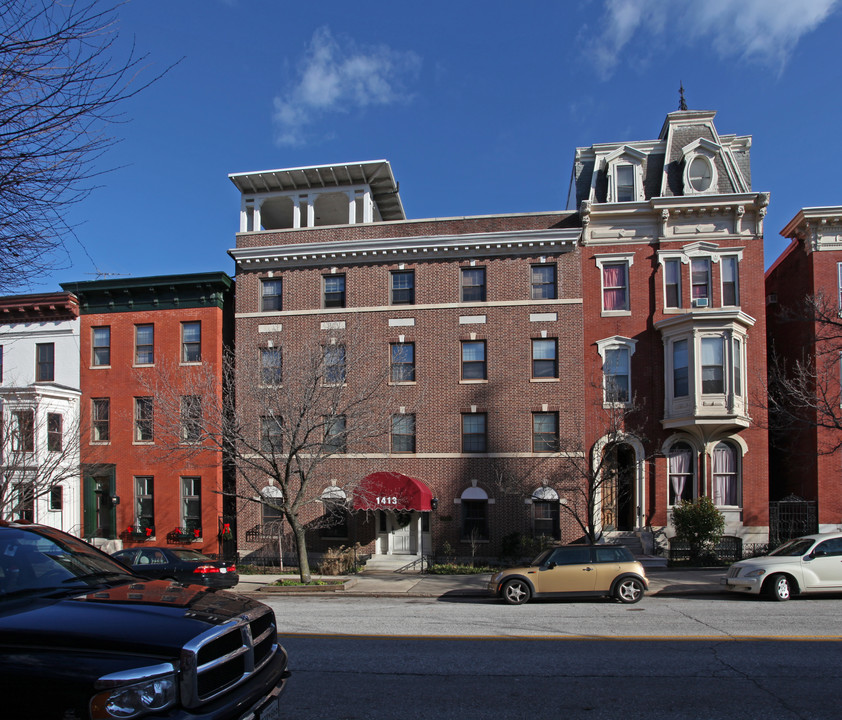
(544, 432)
(403, 288)
(616, 370)
(102, 346)
(473, 284)
(712, 368)
(672, 277)
(543, 282)
(473, 432)
(700, 276)
(144, 344)
(544, 359)
(270, 294)
(729, 281)
(625, 183)
(191, 339)
(680, 370)
(614, 286)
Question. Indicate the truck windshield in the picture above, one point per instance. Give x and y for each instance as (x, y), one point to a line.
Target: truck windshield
(33, 560)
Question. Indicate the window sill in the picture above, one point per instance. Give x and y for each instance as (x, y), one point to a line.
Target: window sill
(544, 380)
(473, 382)
(143, 442)
(143, 365)
(616, 313)
(616, 405)
(99, 367)
(404, 382)
(192, 362)
(100, 442)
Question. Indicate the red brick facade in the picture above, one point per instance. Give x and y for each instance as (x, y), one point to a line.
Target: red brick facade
(111, 467)
(804, 460)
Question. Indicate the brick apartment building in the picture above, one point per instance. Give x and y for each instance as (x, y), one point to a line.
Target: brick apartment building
(39, 409)
(804, 457)
(478, 323)
(131, 330)
(672, 262)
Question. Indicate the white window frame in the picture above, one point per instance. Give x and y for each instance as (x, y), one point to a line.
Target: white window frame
(669, 448)
(723, 260)
(617, 342)
(625, 156)
(615, 259)
(707, 151)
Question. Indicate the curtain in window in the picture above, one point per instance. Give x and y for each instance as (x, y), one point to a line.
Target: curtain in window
(680, 472)
(725, 475)
(614, 287)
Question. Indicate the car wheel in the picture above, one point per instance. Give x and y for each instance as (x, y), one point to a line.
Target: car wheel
(629, 590)
(516, 592)
(780, 588)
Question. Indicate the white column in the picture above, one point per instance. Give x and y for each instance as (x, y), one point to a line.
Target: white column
(258, 204)
(311, 211)
(296, 213)
(352, 207)
(368, 207)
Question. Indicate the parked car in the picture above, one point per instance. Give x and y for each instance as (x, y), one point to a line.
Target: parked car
(182, 564)
(574, 570)
(82, 637)
(809, 564)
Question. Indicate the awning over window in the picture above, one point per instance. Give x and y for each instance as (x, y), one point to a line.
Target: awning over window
(392, 491)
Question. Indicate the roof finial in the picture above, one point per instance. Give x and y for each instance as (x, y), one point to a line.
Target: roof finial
(682, 103)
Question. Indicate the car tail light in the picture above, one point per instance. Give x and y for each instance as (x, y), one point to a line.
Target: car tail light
(206, 569)
(232, 568)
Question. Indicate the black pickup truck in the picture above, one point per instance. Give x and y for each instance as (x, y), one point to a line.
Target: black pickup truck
(81, 637)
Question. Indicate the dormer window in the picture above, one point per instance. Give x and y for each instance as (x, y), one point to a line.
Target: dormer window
(699, 167)
(624, 168)
(700, 174)
(625, 183)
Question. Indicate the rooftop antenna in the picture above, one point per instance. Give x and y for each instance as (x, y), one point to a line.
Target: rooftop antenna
(99, 274)
(682, 103)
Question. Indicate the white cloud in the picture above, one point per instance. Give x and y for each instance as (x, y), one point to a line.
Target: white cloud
(760, 31)
(338, 78)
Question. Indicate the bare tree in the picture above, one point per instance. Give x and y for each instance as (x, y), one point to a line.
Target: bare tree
(39, 450)
(804, 387)
(294, 412)
(589, 481)
(60, 87)
(592, 480)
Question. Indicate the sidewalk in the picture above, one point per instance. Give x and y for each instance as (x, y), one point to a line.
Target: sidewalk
(662, 582)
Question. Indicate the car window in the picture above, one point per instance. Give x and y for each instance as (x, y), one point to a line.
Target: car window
(613, 554)
(191, 556)
(126, 556)
(571, 555)
(793, 548)
(152, 557)
(829, 547)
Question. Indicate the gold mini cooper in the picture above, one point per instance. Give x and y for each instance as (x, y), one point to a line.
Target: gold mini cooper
(574, 570)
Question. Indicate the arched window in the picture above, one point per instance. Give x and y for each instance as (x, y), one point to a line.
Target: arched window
(682, 476)
(474, 503)
(726, 475)
(271, 497)
(335, 517)
(545, 513)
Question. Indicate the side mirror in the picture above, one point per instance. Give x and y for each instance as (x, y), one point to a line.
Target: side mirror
(550, 565)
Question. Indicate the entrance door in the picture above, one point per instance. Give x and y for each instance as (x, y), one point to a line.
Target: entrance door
(401, 533)
(619, 500)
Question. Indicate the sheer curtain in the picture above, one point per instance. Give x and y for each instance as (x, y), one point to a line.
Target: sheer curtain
(680, 472)
(725, 475)
(614, 284)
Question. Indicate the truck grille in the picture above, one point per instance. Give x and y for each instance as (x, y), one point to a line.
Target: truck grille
(226, 656)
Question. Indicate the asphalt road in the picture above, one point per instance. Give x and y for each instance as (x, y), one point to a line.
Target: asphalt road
(714, 657)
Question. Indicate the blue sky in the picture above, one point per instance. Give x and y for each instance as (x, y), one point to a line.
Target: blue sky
(478, 106)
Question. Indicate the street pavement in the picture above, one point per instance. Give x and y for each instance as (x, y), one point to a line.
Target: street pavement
(662, 581)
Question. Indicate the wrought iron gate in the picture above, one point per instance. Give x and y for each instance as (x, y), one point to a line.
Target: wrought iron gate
(790, 518)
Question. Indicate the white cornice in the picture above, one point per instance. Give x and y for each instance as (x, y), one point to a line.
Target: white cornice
(519, 242)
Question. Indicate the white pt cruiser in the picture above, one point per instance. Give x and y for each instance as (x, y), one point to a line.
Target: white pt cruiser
(809, 564)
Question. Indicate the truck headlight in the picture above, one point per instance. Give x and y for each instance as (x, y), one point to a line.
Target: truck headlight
(134, 693)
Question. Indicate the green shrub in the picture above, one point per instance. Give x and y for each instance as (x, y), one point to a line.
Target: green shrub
(699, 523)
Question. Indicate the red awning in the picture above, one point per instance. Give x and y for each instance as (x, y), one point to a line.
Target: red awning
(392, 491)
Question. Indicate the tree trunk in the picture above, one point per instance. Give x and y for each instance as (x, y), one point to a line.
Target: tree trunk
(301, 546)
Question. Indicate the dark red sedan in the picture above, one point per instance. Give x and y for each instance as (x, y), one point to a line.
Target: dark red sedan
(185, 566)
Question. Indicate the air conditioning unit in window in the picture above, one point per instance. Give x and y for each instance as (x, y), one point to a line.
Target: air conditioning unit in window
(700, 302)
